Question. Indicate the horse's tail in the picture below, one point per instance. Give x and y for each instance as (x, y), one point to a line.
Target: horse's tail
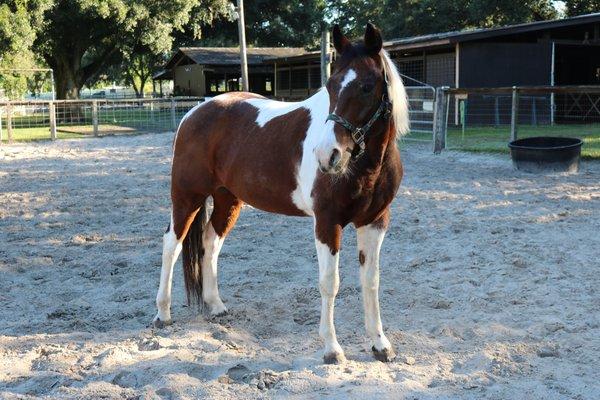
(193, 251)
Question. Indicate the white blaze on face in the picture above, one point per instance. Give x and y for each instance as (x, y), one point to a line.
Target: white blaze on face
(328, 143)
(349, 77)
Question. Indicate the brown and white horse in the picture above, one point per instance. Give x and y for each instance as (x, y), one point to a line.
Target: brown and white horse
(308, 158)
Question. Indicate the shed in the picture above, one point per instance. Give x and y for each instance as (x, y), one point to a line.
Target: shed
(208, 71)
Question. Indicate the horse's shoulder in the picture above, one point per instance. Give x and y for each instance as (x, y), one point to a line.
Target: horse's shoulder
(231, 98)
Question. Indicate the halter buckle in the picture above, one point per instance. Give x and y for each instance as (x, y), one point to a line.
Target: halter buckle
(358, 135)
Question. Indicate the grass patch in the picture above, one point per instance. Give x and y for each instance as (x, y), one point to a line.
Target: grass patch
(495, 140)
(33, 134)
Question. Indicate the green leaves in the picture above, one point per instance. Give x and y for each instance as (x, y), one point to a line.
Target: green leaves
(82, 39)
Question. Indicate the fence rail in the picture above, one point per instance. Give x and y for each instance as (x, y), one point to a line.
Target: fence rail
(43, 119)
(486, 119)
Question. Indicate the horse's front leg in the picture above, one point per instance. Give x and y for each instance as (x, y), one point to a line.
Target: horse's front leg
(369, 239)
(328, 240)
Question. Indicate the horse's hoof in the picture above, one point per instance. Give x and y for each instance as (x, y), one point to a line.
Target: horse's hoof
(334, 358)
(159, 324)
(218, 310)
(218, 314)
(385, 355)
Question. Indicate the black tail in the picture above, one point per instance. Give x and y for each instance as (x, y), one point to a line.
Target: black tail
(192, 257)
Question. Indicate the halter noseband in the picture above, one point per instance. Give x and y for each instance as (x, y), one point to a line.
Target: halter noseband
(358, 134)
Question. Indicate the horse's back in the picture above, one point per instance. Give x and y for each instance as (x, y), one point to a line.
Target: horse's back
(238, 142)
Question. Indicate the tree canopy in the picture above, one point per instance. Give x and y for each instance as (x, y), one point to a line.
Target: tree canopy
(578, 7)
(82, 40)
(18, 22)
(400, 18)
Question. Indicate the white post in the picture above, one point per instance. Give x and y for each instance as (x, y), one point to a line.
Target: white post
(52, 81)
(514, 115)
(552, 101)
(440, 119)
(325, 57)
(242, 35)
(95, 117)
(9, 122)
(52, 111)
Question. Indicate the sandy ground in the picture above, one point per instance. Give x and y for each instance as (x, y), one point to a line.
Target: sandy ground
(489, 285)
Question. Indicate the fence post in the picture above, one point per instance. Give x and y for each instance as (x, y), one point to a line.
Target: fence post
(95, 117)
(0, 126)
(52, 112)
(173, 116)
(514, 115)
(439, 120)
(9, 122)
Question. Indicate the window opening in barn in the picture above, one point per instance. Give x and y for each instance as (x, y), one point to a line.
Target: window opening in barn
(283, 79)
(315, 77)
(299, 78)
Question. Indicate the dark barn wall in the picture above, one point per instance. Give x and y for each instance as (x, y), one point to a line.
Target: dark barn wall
(501, 65)
(504, 64)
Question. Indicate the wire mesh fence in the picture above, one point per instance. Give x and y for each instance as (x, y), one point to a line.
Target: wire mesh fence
(487, 119)
(37, 120)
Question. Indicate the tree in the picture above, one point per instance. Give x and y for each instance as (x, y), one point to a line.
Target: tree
(269, 23)
(579, 7)
(139, 67)
(80, 39)
(18, 19)
(401, 18)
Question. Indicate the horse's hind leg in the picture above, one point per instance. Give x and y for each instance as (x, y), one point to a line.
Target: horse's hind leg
(225, 213)
(181, 218)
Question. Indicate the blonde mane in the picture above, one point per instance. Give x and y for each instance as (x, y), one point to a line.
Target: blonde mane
(397, 95)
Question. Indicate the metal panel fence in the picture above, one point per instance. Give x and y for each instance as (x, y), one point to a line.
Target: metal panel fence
(420, 111)
(486, 119)
(34, 120)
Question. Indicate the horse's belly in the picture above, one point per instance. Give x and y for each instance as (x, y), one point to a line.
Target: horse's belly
(263, 192)
(272, 204)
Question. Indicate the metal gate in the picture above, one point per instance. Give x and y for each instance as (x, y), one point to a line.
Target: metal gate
(421, 106)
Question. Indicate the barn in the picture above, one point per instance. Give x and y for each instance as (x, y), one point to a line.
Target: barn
(547, 53)
(560, 52)
(209, 71)
(557, 52)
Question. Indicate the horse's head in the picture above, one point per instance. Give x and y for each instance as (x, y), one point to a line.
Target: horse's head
(366, 100)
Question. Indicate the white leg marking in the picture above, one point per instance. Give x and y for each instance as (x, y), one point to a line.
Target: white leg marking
(212, 244)
(329, 283)
(171, 250)
(369, 243)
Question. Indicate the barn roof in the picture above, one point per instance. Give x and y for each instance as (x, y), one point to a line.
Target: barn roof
(445, 38)
(230, 55)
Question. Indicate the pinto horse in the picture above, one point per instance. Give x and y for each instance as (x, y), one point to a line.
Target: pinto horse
(333, 157)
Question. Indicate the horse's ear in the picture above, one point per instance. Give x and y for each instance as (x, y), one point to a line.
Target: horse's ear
(373, 40)
(340, 42)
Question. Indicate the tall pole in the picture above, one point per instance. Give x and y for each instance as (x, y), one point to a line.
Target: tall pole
(552, 100)
(53, 89)
(325, 56)
(242, 34)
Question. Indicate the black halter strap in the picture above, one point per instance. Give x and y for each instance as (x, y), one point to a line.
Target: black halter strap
(358, 134)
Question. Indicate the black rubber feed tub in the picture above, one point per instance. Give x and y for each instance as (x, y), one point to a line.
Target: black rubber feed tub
(546, 154)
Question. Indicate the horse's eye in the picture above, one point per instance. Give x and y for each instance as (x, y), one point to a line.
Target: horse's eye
(366, 87)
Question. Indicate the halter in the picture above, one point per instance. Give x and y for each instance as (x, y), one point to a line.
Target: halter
(358, 134)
